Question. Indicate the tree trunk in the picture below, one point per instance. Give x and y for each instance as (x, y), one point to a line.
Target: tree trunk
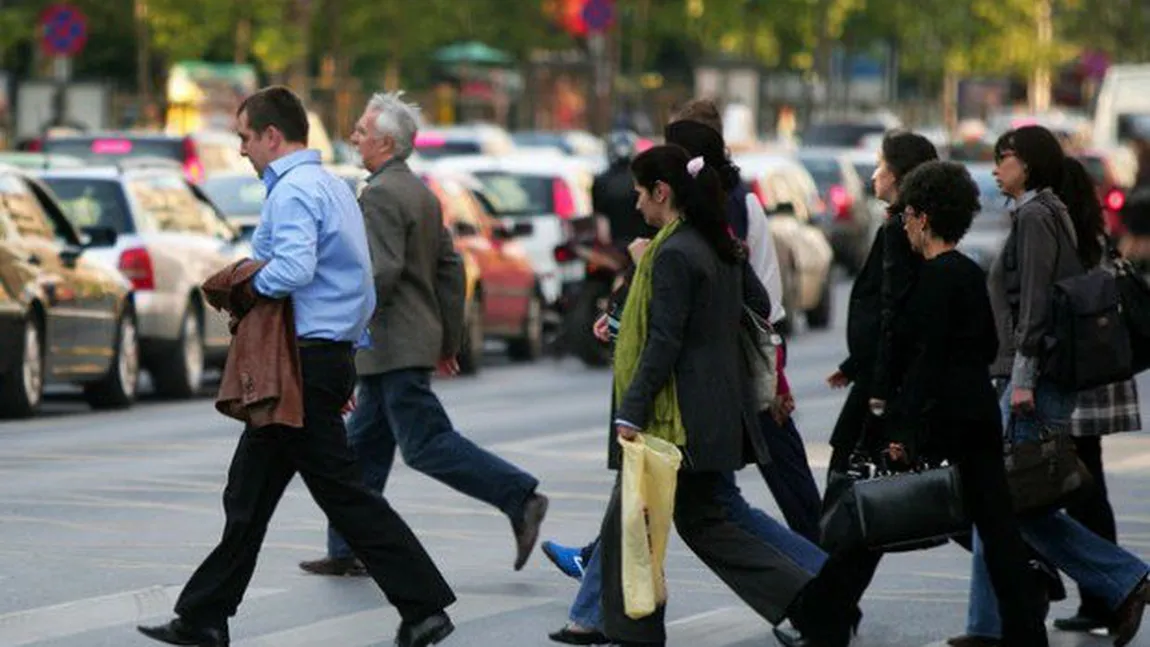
(243, 39)
(143, 58)
(299, 75)
(1040, 81)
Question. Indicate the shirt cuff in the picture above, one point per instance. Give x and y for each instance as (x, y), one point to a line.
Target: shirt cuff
(1024, 373)
(619, 422)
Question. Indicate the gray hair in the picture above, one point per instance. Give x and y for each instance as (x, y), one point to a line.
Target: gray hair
(397, 119)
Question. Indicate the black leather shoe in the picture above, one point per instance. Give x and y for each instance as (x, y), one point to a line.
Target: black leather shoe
(527, 528)
(337, 566)
(1128, 617)
(432, 630)
(569, 637)
(178, 632)
(1080, 623)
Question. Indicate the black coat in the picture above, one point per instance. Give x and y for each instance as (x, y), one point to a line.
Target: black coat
(878, 297)
(947, 340)
(693, 334)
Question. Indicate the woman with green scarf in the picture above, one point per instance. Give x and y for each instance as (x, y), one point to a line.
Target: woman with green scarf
(680, 376)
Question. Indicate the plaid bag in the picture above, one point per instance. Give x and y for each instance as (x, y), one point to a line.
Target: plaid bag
(1109, 409)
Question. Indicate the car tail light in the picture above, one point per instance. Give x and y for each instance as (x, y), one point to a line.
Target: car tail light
(136, 266)
(193, 167)
(841, 201)
(564, 254)
(564, 201)
(1115, 200)
(35, 145)
(759, 191)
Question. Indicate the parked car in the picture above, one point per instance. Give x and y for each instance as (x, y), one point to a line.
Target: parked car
(503, 296)
(170, 239)
(851, 226)
(848, 133)
(480, 139)
(988, 232)
(199, 155)
(1113, 173)
(547, 196)
(791, 200)
(39, 161)
(239, 196)
(68, 317)
(574, 143)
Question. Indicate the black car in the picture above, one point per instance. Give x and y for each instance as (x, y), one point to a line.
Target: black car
(66, 317)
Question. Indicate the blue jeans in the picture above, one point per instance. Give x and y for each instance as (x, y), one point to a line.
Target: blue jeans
(398, 408)
(1099, 566)
(587, 610)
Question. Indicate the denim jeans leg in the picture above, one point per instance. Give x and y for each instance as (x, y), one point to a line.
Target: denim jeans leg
(801, 551)
(982, 616)
(587, 609)
(370, 438)
(431, 445)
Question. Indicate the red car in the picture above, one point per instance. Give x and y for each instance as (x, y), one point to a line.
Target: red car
(503, 296)
(1113, 174)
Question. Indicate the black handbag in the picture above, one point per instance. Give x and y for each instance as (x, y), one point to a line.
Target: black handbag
(890, 511)
(1045, 474)
(1134, 295)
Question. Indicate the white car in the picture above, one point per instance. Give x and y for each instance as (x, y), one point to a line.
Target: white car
(543, 191)
(170, 239)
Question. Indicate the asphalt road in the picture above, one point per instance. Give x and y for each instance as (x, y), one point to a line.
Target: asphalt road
(103, 516)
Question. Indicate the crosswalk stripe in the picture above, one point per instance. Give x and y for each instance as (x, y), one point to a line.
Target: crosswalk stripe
(377, 626)
(79, 616)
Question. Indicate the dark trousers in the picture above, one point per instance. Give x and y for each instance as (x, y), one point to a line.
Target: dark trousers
(1095, 512)
(789, 476)
(987, 497)
(758, 572)
(398, 409)
(264, 463)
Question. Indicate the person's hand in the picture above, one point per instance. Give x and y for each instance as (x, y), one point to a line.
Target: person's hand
(448, 366)
(601, 330)
(877, 407)
(1022, 400)
(838, 380)
(637, 247)
(349, 406)
(626, 433)
(897, 453)
(233, 324)
(783, 407)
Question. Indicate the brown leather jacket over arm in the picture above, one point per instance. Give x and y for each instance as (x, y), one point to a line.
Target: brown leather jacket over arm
(262, 384)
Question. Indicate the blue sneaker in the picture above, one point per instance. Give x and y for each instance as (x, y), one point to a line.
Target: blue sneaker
(567, 560)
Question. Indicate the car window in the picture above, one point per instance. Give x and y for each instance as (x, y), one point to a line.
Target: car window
(25, 211)
(236, 196)
(825, 171)
(219, 157)
(841, 135)
(115, 148)
(463, 208)
(92, 203)
(168, 202)
(518, 194)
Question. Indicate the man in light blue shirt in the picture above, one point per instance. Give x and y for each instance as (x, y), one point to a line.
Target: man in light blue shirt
(311, 236)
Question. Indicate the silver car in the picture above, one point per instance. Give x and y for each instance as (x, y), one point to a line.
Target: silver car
(170, 239)
(991, 226)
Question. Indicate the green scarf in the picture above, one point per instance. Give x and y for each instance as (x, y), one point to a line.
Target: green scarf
(665, 421)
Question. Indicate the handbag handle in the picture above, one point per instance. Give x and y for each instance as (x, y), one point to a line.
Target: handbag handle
(1045, 432)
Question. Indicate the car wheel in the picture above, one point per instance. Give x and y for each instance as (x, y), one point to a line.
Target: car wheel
(471, 350)
(180, 374)
(591, 302)
(529, 346)
(820, 317)
(117, 389)
(22, 389)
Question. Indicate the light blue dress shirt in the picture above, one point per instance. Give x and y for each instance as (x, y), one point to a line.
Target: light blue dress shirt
(312, 236)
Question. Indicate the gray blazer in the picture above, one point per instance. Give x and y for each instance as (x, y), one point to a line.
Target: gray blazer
(418, 275)
(1040, 250)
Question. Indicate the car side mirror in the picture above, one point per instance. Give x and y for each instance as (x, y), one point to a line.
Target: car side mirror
(783, 209)
(71, 254)
(99, 236)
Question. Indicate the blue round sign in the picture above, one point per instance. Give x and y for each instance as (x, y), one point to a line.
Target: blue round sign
(598, 14)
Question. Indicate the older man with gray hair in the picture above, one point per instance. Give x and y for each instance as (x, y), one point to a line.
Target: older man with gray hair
(418, 325)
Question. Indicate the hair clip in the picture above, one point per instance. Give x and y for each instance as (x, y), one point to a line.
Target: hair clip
(695, 165)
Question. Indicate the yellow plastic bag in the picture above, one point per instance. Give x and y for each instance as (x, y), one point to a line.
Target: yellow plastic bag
(650, 467)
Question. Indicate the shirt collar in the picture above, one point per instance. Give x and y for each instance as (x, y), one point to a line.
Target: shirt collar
(1024, 198)
(391, 161)
(283, 165)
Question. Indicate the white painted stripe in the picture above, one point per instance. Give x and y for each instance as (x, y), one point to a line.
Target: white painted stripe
(726, 626)
(79, 616)
(379, 625)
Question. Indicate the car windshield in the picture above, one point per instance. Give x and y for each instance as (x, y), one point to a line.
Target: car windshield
(115, 148)
(846, 135)
(93, 203)
(236, 196)
(518, 194)
(825, 171)
(437, 148)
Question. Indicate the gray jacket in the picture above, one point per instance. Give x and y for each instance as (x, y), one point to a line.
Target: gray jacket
(418, 275)
(1040, 250)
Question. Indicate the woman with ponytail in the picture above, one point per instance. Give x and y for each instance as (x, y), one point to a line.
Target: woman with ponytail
(1047, 242)
(679, 376)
